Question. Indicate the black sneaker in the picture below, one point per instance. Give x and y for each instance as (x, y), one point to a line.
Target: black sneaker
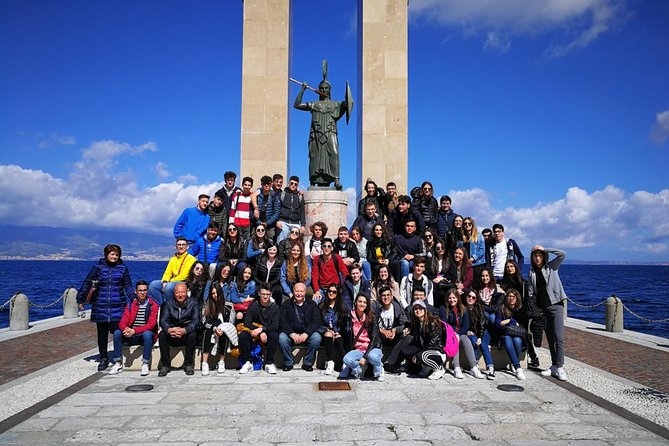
(390, 368)
(189, 369)
(287, 368)
(534, 364)
(104, 363)
(164, 371)
(307, 368)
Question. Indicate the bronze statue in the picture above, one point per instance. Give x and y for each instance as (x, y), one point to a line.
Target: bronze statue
(323, 139)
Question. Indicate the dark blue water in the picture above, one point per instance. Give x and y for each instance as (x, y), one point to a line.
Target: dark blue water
(644, 289)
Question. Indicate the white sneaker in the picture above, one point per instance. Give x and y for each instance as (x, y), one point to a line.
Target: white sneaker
(437, 374)
(551, 371)
(511, 367)
(145, 370)
(271, 369)
(246, 368)
(355, 374)
(116, 368)
(457, 372)
(520, 374)
(476, 373)
(382, 376)
(491, 373)
(220, 368)
(561, 374)
(205, 369)
(329, 368)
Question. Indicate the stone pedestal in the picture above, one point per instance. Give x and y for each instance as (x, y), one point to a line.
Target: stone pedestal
(326, 205)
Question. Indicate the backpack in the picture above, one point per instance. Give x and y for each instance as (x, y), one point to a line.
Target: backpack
(452, 341)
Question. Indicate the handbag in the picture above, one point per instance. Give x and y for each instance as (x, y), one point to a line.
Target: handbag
(94, 288)
(516, 331)
(244, 306)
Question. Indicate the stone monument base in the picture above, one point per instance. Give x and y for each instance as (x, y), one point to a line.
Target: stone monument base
(327, 205)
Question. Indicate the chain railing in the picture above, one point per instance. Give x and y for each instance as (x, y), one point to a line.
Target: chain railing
(625, 307)
(33, 304)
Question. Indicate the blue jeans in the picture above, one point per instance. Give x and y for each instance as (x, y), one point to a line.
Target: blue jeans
(285, 230)
(352, 361)
(405, 267)
(286, 344)
(484, 347)
(145, 339)
(158, 294)
(513, 346)
(366, 269)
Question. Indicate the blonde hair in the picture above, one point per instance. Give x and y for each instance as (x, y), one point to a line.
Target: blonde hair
(474, 234)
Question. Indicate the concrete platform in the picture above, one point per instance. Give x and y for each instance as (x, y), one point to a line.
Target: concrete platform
(597, 406)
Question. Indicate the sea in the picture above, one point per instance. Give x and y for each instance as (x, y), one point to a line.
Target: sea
(644, 289)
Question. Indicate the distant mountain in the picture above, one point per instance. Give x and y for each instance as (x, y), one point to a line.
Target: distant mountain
(44, 243)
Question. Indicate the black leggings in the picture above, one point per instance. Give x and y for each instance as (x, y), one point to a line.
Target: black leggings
(334, 350)
(207, 345)
(104, 330)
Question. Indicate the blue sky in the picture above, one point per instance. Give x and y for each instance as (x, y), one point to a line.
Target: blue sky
(549, 116)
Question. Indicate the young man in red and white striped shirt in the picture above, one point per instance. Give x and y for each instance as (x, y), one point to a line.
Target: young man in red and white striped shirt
(241, 209)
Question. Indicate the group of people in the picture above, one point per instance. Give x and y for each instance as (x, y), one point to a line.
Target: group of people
(408, 277)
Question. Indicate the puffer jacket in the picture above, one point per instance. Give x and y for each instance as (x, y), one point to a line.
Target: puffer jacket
(184, 316)
(114, 291)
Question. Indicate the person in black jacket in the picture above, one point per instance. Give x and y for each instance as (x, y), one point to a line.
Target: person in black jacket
(268, 269)
(427, 205)
(261, 324)
(427, 341)
(392, 320)
(178, 322)
(346, 248)
(300, 323)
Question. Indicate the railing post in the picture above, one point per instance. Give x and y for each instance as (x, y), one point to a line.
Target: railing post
(70, 306)
(614, 314)
(19, 313)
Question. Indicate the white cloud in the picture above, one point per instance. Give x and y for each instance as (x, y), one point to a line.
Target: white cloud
(660, 132)
(496, 41)
(188, 178)
(104, 150)
(581, 21)
(54, 139)
(94, 195)
(161, 170)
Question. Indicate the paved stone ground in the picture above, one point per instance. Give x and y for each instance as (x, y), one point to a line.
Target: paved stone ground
(26, 354)
(287, 409)
(634, 362)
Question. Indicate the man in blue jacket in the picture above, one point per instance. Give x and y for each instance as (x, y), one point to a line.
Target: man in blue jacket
(193, 222)
(299, 324)
(207, 247)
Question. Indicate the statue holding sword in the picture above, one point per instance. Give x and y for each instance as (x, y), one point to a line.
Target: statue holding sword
(323, 140)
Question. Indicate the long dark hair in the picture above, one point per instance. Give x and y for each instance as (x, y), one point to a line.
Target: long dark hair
(258, 242)
(217, 273)
(192, 278)
(476, 312)
(507, 310)
(339, 306)
(369, 316)
(214, 307)
(241, 283)
(514, 280)
(478, 283)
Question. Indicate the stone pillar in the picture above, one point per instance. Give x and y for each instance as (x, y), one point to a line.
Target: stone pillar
(383, 92)
(70, 305)
(19, 313)
(326, 205)
(265, 62)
